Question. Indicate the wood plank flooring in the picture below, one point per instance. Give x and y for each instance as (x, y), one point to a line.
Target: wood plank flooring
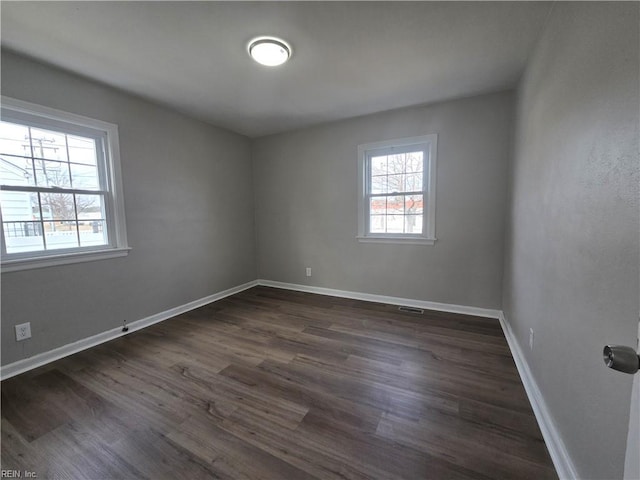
(273, 384)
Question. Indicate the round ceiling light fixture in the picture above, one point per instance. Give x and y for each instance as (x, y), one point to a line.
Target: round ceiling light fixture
(269, 51)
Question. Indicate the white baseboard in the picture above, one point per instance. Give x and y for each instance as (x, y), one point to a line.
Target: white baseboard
(565, 467)
(368, 297)
(26, 364)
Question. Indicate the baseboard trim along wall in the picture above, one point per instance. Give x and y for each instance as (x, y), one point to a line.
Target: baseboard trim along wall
(26, 364)
(368, 297)
(565, 467)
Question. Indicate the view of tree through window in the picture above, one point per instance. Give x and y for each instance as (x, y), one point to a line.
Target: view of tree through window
(52, 195)
(396, 198)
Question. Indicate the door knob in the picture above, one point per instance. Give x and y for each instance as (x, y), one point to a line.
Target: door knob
(621, 358)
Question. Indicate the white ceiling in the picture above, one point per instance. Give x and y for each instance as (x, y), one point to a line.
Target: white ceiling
(349, 58)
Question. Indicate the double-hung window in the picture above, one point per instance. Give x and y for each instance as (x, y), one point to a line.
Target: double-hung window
(397, 190)
(60, 188)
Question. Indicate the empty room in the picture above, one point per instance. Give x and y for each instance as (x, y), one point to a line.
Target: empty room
(320, 240)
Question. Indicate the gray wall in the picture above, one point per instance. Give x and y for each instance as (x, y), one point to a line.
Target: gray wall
(306, 205)
(571, 271)
(189, 209)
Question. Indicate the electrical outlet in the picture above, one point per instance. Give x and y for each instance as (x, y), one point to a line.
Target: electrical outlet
(308, 271)
(23, 331)
(531, 339)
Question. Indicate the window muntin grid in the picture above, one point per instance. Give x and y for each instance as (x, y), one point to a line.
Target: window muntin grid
(395, 190)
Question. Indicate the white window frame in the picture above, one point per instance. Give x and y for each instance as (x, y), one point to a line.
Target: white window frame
(429, 145)
(26, 113)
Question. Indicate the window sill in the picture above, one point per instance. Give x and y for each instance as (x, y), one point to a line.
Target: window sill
(400, 240)
(17, 264)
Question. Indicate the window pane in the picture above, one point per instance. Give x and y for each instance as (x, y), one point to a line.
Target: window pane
(379, 184)
(378, 223)
(23, 237)
(413, 182)
(59, 220)
(378, 206)
(396, 183)
(84, 177)
(413, 224)
(61, 234)
(14, 139)
(48, 144)
(413, 204)
(415, 162)
(92, 223)
(395, 223)
(379, 165)
(16, 171)
(90, 207)
(82, 150)
(52, 174)
(19, 206)
(395, 205)
(57, 206)
(92, 232)
(20, 222)
(396, 163)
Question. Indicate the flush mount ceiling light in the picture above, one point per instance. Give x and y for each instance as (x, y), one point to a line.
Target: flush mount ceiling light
(269, 51)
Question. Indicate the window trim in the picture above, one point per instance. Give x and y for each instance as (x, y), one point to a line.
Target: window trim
(46, 117)
(427, 143)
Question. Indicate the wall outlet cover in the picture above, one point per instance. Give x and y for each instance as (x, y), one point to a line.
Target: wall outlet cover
(23, 331)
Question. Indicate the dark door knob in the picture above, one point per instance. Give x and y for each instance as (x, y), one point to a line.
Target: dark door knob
(621, 358)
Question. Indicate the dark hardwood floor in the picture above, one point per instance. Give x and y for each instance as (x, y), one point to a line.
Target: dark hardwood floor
(273, 384)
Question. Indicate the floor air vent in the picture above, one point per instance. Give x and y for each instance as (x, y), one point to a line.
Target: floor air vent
(411, 310)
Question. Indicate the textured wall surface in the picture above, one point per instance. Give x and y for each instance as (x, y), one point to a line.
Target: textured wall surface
(306, 205)
(571, 271)
(189, 209)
